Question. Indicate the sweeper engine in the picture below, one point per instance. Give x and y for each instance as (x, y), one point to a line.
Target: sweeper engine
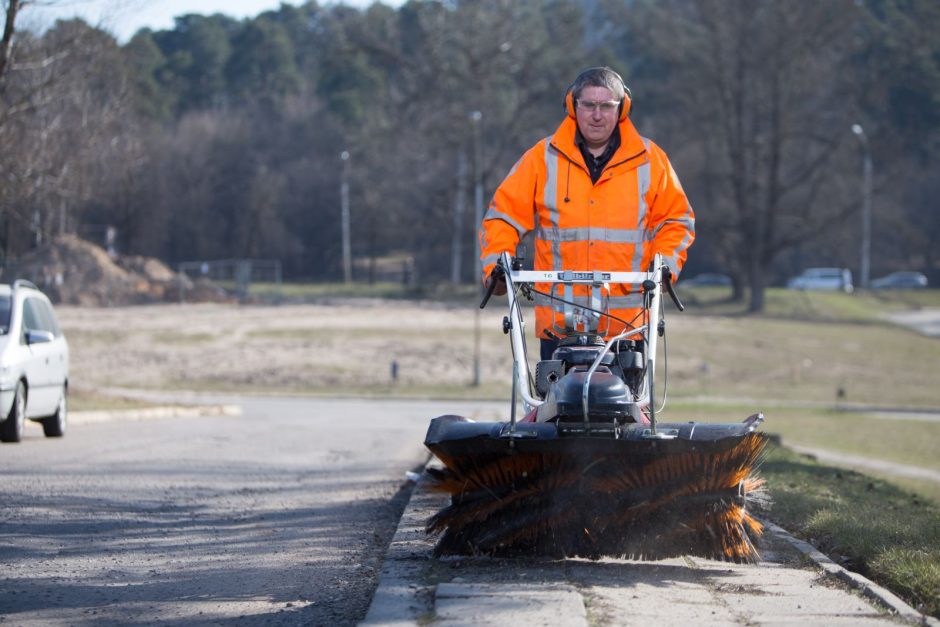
(590, 471)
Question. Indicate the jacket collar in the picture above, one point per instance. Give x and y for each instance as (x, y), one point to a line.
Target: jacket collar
(631, 153)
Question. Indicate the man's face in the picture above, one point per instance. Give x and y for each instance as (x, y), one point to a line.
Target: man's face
(596, 119)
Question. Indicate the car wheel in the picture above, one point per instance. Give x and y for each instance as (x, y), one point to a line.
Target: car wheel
(54, 426)
(11, 429)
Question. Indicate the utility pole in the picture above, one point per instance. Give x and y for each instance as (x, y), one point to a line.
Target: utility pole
(865, 261)
(344, 201)
(475, 118)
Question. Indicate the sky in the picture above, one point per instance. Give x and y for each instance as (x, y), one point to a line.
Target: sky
(123, 18)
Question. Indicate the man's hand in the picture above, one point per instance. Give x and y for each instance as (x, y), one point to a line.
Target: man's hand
(500, 280)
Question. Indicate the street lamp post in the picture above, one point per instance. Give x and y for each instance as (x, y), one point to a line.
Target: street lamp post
(865, 262)
(344, 220)
(475, 119)
(459, 204)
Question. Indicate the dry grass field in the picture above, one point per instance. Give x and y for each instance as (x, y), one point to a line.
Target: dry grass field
(348, 347)
(337, 349)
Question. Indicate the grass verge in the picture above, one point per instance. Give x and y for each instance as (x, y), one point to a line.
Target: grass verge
(869, 525)
(862, 306)
(890, 437)
(86, 400)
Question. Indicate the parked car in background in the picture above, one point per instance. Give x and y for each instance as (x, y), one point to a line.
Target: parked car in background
(904, 280)
(824, 279)
(34, 363)
(706, 279)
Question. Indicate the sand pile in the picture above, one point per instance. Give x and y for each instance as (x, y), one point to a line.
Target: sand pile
(73, 271)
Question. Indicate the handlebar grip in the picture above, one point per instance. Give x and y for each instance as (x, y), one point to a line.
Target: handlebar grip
(495, 275)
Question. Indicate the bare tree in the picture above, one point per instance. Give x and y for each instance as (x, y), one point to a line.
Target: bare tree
(11, 7)
(508, 60)
(62, 102)
(757, 98)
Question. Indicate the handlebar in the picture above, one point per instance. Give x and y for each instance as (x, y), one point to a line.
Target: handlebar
(499, 272)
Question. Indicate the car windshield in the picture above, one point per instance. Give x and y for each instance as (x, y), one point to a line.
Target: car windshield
(4, 314)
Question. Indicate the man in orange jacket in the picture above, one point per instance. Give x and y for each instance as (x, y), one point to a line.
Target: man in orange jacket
(598, 196)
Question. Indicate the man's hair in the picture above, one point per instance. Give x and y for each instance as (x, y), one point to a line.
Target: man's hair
(598, 77)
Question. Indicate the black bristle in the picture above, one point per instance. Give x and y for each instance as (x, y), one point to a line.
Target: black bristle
(688, 502)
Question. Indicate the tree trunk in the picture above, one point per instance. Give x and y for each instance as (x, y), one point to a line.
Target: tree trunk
(756, 283)
(6, 44)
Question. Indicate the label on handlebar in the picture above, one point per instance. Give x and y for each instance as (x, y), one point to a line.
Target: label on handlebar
(572, 276)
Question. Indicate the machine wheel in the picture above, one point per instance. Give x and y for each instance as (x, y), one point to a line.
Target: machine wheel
(54, 425)
(11, 429)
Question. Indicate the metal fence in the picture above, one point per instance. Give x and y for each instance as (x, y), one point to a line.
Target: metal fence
(241, 278)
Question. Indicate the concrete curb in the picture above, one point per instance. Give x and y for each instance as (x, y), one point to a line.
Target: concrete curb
(870, 589)
(402, 597)
(149, 413)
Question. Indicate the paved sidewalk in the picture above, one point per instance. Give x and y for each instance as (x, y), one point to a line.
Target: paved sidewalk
(793, 584)
(857, 461)
(924, 321)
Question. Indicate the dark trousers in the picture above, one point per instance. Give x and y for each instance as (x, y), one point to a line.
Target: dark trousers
(548, 347)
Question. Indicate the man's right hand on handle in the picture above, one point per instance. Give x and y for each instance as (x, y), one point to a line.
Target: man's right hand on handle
(495, 284)
(500, 280)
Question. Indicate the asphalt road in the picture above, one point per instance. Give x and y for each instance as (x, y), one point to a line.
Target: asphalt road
(278, 516)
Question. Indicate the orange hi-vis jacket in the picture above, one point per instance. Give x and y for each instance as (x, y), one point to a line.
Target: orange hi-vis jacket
(636, 209)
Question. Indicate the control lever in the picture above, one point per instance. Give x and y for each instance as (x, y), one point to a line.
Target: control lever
(497, 274)
(667, 279)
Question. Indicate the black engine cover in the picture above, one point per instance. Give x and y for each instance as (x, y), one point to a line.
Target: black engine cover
(608, 397)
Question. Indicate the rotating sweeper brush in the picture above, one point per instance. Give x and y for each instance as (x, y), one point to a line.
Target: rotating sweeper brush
(589, 471)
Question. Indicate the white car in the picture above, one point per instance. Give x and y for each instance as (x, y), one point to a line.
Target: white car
(34, 363)
(904, 280)
(827, 279)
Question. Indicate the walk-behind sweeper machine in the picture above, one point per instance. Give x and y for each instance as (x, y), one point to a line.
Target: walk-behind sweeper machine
(587, 469)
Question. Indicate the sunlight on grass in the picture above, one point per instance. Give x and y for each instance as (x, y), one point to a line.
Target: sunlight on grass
(873, 527)
(915, 573)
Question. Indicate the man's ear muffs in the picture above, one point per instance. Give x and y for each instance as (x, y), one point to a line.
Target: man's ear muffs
(626, 105)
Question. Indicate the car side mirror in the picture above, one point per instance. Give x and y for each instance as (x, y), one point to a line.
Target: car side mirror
(35, 336)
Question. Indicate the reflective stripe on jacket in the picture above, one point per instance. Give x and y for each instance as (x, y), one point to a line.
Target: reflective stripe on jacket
(636, 209)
